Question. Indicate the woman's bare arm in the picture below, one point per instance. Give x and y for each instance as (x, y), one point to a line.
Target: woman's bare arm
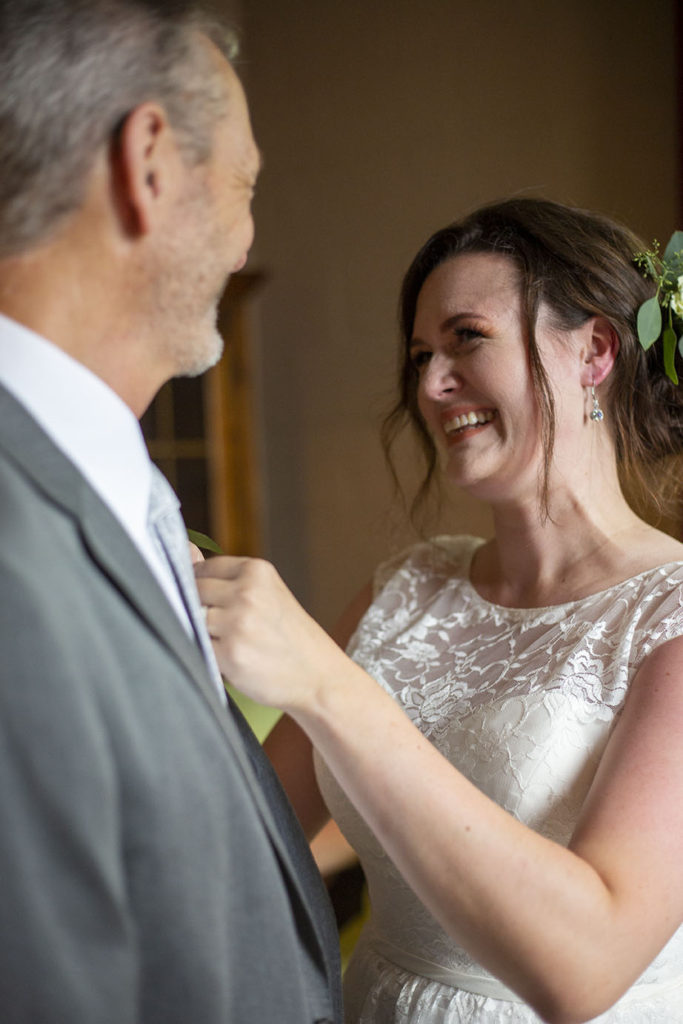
(291, 751)
(568, 929)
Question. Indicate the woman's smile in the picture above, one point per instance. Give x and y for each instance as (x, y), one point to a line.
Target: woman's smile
(458, 425)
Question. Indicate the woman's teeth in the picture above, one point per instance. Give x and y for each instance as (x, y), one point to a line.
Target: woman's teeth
(467, 419)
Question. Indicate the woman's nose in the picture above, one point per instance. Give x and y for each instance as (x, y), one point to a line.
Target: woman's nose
(440, 378)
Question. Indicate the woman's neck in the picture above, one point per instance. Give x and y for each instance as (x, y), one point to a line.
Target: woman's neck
(576, 549)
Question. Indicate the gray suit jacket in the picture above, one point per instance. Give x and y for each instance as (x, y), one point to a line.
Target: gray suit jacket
(151, 871)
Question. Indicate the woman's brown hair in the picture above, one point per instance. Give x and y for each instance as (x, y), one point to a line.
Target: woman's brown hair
(580, 265)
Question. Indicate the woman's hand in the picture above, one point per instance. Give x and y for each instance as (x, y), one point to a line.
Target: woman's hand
(568, 929)
(195, 553)
(265, 643)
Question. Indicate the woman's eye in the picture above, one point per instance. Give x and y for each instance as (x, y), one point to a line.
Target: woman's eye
(420, 358)
(466, 334)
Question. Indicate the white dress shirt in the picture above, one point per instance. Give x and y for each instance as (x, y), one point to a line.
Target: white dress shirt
(94, 428)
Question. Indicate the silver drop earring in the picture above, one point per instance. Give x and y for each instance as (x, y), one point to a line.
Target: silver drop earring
(596, 412)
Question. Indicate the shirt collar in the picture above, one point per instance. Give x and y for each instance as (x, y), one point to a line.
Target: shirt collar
(88, 421)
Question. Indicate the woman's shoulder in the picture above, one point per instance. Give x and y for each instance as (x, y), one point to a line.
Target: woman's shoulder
(654, 565)
(444, 555)
(654, 548)
(409, 576)
(657, 594)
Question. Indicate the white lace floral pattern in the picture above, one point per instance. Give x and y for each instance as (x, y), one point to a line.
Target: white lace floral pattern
(522, 702)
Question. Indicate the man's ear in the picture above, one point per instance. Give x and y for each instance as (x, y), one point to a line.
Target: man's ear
(599, 352)
(146, 161)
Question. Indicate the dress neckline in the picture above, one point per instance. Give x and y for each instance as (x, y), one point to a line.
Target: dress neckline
(474, 543)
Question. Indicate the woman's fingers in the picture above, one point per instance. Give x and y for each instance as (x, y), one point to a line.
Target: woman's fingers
(263, 639)
(239, 593)
(195, 553)
(227, 567)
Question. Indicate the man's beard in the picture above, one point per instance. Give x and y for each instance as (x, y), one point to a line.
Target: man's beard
(204, 354)
(189, 281)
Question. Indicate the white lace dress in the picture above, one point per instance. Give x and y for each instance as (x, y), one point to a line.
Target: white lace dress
(522, 702)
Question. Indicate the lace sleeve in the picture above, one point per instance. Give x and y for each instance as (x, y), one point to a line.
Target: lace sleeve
(443, 554)
(386, 570)
(661, 616)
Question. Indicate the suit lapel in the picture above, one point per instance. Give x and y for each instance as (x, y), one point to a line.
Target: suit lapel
(26, 444)
(118, 558)
(30, 449)
(111, 548)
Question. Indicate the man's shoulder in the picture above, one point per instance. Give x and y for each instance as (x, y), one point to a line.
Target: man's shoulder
(24, 445)
(25, 494)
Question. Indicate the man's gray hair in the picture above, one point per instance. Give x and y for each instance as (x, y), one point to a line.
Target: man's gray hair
(70, 73)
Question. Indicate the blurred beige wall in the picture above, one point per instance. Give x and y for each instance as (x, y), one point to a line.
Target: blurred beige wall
(380, 121)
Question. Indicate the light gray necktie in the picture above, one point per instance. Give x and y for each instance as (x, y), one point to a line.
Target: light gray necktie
(167, 529)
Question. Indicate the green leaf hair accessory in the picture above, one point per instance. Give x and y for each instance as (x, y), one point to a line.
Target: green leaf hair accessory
(667, 305)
